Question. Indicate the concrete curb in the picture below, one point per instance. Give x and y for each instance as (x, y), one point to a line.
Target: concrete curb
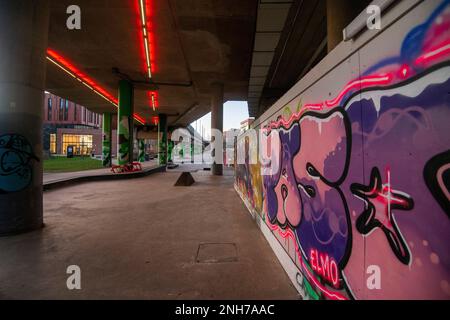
(52, 185)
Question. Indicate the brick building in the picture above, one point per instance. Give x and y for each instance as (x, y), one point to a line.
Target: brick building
(66, 123)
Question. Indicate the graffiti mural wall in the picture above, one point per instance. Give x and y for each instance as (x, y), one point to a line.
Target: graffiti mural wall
(16, 157)
(364, 174)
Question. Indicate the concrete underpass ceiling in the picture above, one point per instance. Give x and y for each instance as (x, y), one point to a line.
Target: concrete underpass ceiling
(300, 45)
(270, 22)
(195, 41)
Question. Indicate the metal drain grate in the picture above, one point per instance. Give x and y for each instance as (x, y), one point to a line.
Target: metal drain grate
(217, 253)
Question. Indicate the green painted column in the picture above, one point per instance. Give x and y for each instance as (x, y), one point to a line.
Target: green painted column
(192, 150)
(107, 133)
(125, 123)
(170, 146)
(163, 141)
(141, 156)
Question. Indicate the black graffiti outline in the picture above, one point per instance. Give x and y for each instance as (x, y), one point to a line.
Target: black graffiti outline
(345, 104)
(274, 220)
(430, 176)
(332, 184)
(414, 78)
(23, 162)
(367, 221)
(408, 81)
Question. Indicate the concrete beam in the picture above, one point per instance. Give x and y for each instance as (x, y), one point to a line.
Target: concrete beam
(340, 13)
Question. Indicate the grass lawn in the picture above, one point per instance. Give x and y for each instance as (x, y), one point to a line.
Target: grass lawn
(62, 164)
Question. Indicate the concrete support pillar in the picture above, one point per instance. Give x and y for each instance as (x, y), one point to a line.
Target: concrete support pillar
(107, 142)
(125, 123)
(217, 119)
(339, 15)
(163, 142)
(141, 154)
(23, 34)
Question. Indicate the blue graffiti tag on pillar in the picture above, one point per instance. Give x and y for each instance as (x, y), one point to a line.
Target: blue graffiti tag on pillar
(16, 155)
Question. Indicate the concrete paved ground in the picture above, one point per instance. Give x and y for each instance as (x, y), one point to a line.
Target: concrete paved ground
(140, 239)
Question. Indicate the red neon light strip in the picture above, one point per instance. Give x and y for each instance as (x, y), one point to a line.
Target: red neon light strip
(155, 120)
(153, 97)
(144, 11)
(77, 74)
(139, 118)
(71, 69)
(147, 36)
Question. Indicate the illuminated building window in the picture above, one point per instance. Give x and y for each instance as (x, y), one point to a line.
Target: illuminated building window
(53, 143)
(82, 144)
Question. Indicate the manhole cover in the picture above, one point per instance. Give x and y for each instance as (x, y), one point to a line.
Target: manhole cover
(217, 253)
